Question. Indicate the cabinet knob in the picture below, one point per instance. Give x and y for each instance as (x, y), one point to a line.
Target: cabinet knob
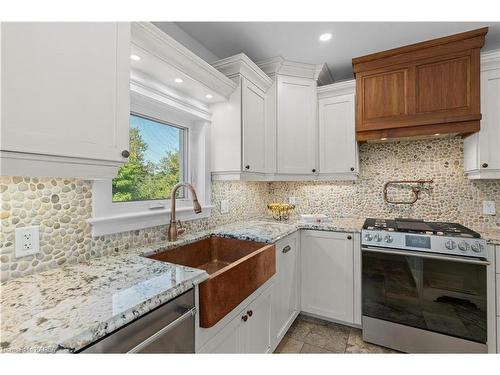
(352, 169)
(250, 312)
(314, 170)
(485, 165)
(244, 318)
(286, 249)
(349, 237)
(247, 166)
(125, 153)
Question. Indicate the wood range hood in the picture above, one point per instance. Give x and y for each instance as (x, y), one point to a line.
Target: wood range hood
(419, 90)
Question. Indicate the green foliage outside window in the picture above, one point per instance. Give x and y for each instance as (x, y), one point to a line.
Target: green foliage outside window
(143, 177)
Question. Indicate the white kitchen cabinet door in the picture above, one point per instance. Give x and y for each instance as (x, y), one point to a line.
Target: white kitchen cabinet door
(338, 150)
(65, 89)
(296, 125)
(257, 328)
(286, 287)
(228, 340)
(254, 127)
(248, 332)
(481, 150)
(327, 275)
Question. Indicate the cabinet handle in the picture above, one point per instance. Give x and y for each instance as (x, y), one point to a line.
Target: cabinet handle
(352, 169)
(247, 166)
(286, 249)
(314, 170)
(485, 165)
(250, 312)
(349, 237)
(244, 318)
(125, 153)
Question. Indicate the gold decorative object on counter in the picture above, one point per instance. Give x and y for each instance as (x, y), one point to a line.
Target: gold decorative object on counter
(280, 211)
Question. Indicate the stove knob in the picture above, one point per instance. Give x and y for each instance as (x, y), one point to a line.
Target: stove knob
(463, 246)
(477, 247)
(378, 237)
(368, 237)
(388, 239)
(450, 244)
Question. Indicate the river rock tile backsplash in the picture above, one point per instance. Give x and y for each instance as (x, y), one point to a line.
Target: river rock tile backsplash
(452, 197)
(61, 207)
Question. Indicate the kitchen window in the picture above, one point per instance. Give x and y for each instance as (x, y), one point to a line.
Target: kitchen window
(156, 163)
(169, 143)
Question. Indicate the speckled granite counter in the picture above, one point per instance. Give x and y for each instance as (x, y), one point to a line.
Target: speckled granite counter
(65, 309)
(492, 237)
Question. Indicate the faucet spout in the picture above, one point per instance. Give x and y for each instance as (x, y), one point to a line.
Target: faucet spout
(173, 231)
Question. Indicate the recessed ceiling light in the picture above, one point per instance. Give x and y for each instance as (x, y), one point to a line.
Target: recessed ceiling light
(325, 37)
(209, 96)
(135, 57)
(178, 80)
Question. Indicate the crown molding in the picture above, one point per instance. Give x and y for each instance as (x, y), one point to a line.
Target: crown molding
(278, 65)
(339, 88)
(241, 65)
(148, 37)
(323, 75)
(490, 60)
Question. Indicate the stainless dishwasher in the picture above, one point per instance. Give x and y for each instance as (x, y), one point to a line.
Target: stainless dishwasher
(167, 329)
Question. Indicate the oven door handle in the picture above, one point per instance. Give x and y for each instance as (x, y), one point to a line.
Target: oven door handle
(453, 258)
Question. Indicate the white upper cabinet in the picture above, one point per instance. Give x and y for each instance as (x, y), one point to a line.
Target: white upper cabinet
(337, 147)
(239, 126)
(481, 150)
(296, 130)
(65, 98)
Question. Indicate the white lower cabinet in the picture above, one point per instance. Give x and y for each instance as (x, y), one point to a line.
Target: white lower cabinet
(248, 332)
(327, 277)
(286, 302)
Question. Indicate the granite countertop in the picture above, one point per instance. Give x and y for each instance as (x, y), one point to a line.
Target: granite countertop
(492, 237)
(68, 308)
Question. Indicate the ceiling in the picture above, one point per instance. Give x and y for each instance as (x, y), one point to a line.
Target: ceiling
(298, 41)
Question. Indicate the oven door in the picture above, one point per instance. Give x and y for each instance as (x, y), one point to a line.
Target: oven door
(433, 292)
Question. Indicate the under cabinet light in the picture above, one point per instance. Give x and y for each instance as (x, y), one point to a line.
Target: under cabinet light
(135, 57)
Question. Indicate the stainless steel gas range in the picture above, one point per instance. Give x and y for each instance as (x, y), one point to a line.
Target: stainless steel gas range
(424, 286)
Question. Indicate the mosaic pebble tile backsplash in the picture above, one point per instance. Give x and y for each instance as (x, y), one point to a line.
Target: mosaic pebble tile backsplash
(61, 206)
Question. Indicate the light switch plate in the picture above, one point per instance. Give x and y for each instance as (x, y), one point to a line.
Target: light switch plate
(224, 206)
(291, 200)
(489, 208)
(27, 241)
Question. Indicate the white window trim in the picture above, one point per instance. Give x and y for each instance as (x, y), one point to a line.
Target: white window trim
(109, 217)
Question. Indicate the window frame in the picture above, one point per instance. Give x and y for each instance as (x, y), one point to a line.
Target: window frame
(183, 155)
(113, 217)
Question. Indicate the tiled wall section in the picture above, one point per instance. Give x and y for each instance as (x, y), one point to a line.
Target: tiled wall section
(452, 197)
(61, 207)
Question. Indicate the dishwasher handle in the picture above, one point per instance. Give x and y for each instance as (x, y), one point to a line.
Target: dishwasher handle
(169, 327)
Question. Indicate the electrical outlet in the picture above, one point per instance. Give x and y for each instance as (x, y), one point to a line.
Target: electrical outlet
(27, 241)
(489, 208)
(224, 206)
(291, 200)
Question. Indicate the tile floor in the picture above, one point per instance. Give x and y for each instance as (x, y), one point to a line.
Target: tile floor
(311, 335)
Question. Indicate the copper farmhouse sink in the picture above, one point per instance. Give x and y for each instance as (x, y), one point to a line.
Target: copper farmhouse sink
(236, 268)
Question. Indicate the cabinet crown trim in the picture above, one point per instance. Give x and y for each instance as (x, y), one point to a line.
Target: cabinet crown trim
(241, 65)
(360, 63)
(335, 89)
(490, 60)
(278, 65)
(147, 36)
